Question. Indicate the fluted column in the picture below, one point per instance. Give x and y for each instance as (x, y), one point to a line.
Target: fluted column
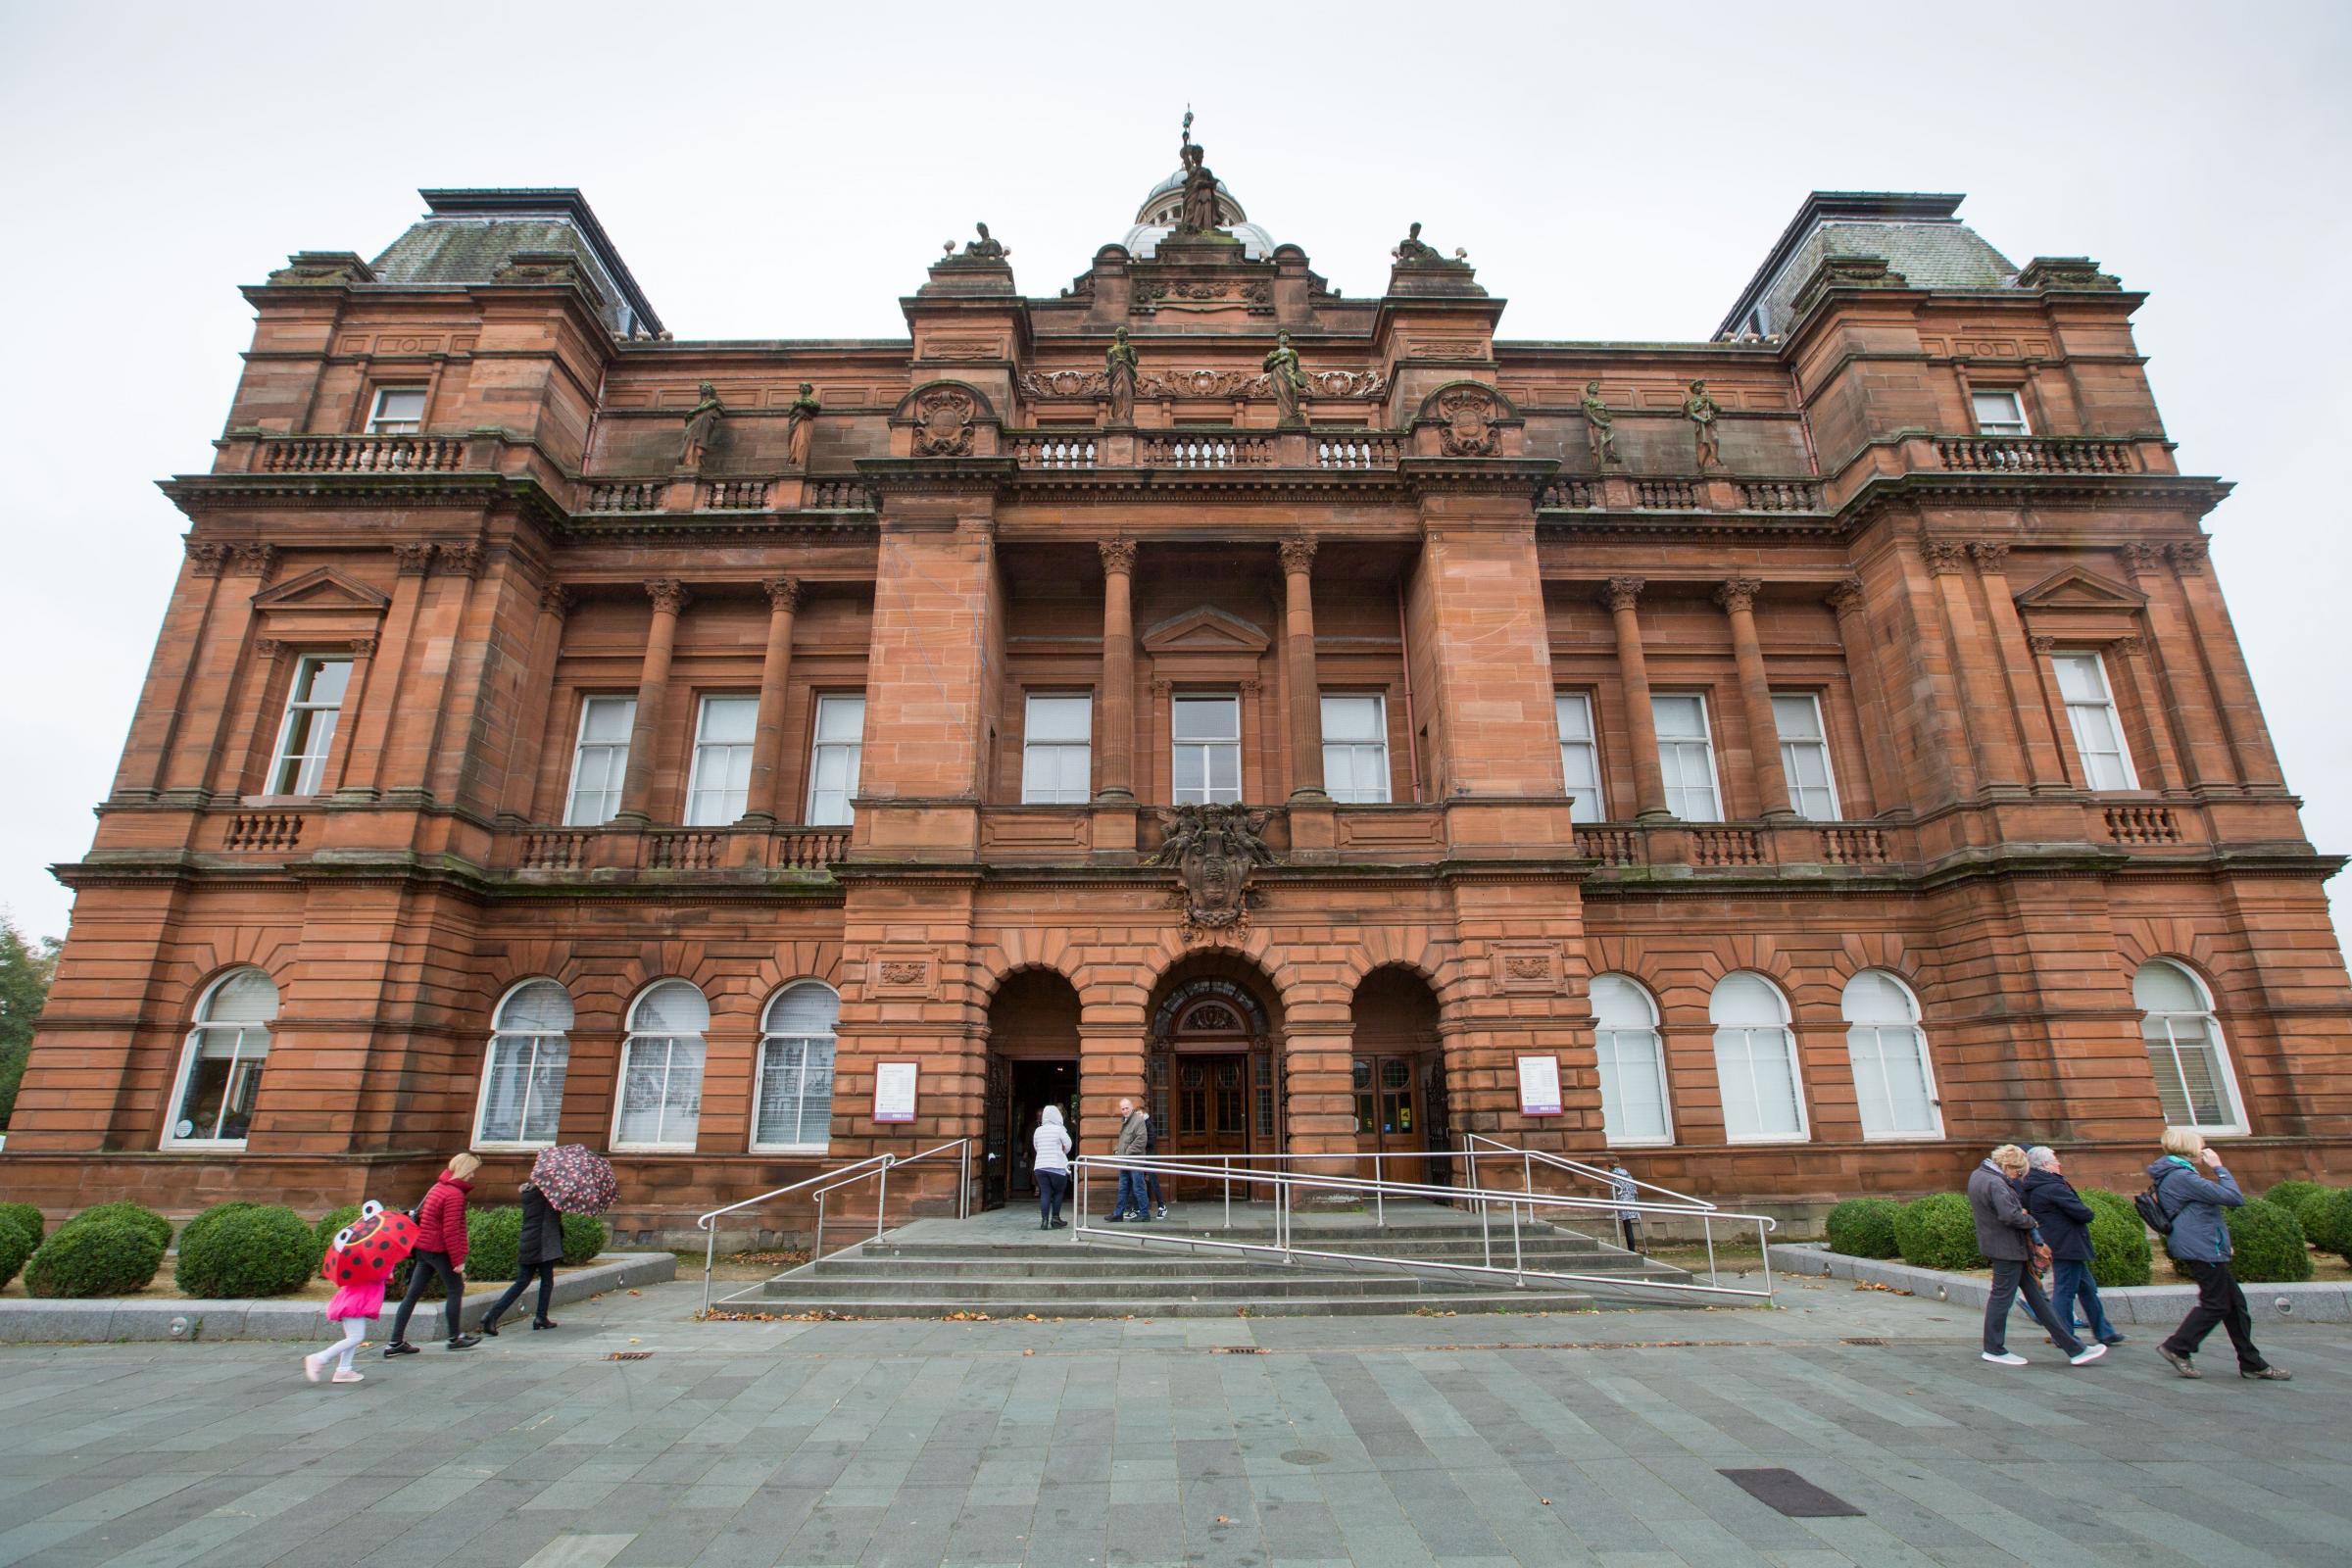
(1650, 783)
(1118, 671)
(1870, 704)
(1299, 642)
(776, 673)
(1738, 596)
(2241, 716)
(669, 598)
(521, 784)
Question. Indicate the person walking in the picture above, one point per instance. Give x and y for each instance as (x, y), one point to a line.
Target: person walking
(2004, 1234)
(1052, 1167)
(1135, 1129)
(441, 1253)
(2193, 1187)
(537, 1250)
(1160, 1204)
(352, 1308)
(1629, 1220)
(2065, 1221)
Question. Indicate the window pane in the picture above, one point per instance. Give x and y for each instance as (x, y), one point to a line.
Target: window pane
(400, 402)
(674, 1007)
(546, 1107)
(1353, 718)
(540, 1008)
(1575, 713)
(729, 718)
(807, 1008)
(246, 997)
(322, 681)
(505, 1081)
(1756, 1070)
(2158, 987)
(608, 720)
(1224, 772)
(643, 1074)
(1060, 718)
(1207, 718)
(1191, 773)
(840, 718)
(1680, 718)
(2080, 677)
(1797, 717)
(1580, 756)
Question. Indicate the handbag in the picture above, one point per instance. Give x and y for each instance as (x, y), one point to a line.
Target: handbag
(2039, 1256)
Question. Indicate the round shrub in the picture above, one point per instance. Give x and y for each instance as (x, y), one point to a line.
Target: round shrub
(1864, 1227)
(1937, 1231)
(2291, 1195)
(27, 1215)
(2326, 1219)
(2119, 1240)
(2268, 1242)
(138, 1214)
(583, 1238)
(493, 1240)
(112, 1256)
(15, 1246)
(240, 1251)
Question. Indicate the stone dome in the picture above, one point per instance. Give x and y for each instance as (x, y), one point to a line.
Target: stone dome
(1155, 220)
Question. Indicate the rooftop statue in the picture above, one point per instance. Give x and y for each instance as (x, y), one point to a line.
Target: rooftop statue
(985, 249)
(1118, 377)
(800, 426)
(1412, 248)
(701, 429)
(1599, 427)
(1198, 215)
(1701, 410)
(1288, 380)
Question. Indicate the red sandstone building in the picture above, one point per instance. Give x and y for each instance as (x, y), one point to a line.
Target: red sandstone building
(559, 731)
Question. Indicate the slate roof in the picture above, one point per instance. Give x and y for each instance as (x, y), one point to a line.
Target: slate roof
(467, 235)
(1918, 234)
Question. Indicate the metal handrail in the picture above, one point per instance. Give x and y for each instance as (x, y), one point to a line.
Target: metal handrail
(1285, 1246)
(873, 1165)
(1527, 1157)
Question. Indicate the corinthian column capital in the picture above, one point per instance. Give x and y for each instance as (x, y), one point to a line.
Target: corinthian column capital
(667, 593)
(1619, 593)
(1739, 593)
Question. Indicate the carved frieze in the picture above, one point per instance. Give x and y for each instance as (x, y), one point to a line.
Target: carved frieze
(1200, 383)
(1526, 967)
(902, 971)
(1213, 849)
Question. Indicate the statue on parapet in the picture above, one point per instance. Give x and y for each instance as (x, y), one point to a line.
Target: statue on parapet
(1701, 411)
(1289, 381)
(985, 248)
(1600, 427)
(1413, 251)
(800, 426)
(701, 429)
(1198, 213)
(1118, 377)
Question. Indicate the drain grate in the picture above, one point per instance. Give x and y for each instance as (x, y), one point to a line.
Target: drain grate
(628, 1356)
(1790, 1494)
(1861, 1340)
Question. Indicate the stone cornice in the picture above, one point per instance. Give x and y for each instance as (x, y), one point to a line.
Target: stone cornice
(198, 493)
(2182, 492)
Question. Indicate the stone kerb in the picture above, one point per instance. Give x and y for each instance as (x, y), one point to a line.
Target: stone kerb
(50, 1322)
(2303, 1301)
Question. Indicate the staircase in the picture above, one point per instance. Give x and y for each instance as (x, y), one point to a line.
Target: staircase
(1000, 1266)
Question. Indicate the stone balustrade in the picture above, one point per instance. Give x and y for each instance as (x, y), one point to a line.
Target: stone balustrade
(361, 454)
(1780, 495)
(837, 495)
(2142, 824)
(736, 495)
(1367, 451)
(627, 495)
(1059, 452)
(262, 832)
(1207, 450)
(1854, 845)
(2033, 454)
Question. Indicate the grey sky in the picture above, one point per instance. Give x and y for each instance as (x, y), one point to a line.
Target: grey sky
(1615, 173)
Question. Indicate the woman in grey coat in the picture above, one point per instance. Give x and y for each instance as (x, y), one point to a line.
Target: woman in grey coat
(537, 1252)
(2005, 1235)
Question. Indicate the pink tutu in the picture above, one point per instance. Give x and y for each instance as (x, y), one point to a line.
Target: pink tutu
(357, 1301)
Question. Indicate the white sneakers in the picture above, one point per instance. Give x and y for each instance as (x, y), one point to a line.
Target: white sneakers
(313, 1366)
(2087, 1355)
(2005, 1358)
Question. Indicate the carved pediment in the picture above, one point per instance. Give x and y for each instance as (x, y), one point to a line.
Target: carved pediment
(2074, 588)
(324, 589)
(1204, 630)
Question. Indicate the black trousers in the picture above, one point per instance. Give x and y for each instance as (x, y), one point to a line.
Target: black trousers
(1628, 1231)
(546, 1273)
(2218, 1302)
(2010, 1275)
(421, 1265)
(1052, 1190)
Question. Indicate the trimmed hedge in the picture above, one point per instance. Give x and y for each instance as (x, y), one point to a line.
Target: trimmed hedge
(111, 1256)
(1860, 1227)
(2268, 1242)
(15, 1246)
(583, 1239)
(27, 1215)
(139, 1214)
(493, 1240)
(2327, 1223)
(2291, 1195)
(240, 1251)
(1938, 1231)
(2119, 1240)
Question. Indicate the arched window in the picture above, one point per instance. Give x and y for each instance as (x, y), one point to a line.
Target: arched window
(793, 1104)
(661, 1069)
(1633, 1065)
(2186, 1054)
(523, 1077)
(1755, 1062)
(220, 1071)
(1893, 1086)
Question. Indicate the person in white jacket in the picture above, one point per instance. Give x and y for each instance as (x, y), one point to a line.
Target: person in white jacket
(1052, 1141)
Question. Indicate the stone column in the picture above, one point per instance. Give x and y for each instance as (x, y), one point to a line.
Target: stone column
(1985, 716)
(522, 785)
(1650, 781)
(1118, 671)
(1738, 596)
(187, 775)
(374, 710)
(2042, 765)
(171, 673)
(338, 751)
(2241, 715)
(2162, 760)
(670, 599)
(784, 596)
(1862, 673)
(1299, 645)
(2205, 763)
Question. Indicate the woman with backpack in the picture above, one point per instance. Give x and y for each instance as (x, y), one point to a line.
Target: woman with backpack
(2188, 1188)
(440, 1253)
(538, 1248)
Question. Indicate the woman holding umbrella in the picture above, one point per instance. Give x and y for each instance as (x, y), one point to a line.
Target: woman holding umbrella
(361, 1258)
(568, 1179)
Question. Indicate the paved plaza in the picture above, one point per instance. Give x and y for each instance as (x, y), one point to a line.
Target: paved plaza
(1476, 1439)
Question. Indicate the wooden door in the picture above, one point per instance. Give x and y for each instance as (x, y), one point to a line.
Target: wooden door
(1389, 1116)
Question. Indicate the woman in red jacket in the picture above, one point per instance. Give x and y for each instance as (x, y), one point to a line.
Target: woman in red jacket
(440, 1252)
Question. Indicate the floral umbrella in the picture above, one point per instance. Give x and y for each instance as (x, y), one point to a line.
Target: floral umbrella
(575, 1178)
(371, 1247)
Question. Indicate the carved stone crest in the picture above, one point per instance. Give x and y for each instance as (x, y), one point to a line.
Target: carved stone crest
(1213, 849)
(1468, 430)
(943, 423)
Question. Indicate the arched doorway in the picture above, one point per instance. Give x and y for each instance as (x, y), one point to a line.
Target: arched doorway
(1398, 1076)
(1032, 1063)
(1213, 1062)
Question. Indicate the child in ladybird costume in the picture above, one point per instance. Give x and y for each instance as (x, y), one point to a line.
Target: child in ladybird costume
(359, 1263)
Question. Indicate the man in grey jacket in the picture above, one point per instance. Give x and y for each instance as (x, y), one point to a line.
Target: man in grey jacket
(1134, 1133)
(2006, 1235)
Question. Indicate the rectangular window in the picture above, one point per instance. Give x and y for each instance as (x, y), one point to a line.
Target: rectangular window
(660, 1092)
(309, 730)
(719, 786)
(1686, 756)
(1057, 750)
(1207, 735)
(794, 1094)
(222, 1078)
(399, 411)
(1805, 755)
(1580, 756)
(523, 1089)
(1355, 749)
(2090, 714)
(599, 760)
(1999, 414)
(833, 762)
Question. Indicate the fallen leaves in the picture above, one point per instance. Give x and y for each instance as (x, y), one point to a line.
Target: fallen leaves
(967, 1317)
(1873, 1285)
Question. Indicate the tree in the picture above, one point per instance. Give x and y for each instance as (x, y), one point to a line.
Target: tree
(25, 969)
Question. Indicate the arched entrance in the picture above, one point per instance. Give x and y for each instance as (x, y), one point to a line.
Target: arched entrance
(1398, 1076)
(1213, 1062)
(1032, 1063)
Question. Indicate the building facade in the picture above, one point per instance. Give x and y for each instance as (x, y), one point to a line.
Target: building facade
(1793, 760)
